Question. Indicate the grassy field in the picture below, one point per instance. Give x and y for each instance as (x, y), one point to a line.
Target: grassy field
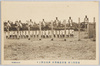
(71, 49)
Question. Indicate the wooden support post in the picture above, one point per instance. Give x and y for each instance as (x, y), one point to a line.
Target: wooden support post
(56, 33)
(20, 33)
(86, 20)
(45, 33)
(79, 29)
(88, 30)
(33, 33)
(29, 23)
(94, 30)
(64, 30)
(70, 24)
(8, 26)
(52, 36)
(28, 32)
(85, 27)
(13, 34)
(8, 33)
(18, 28)
(17, 32)
(48, 33)
(69, 32)
(25, 34)
(59, 33)
(40, 30)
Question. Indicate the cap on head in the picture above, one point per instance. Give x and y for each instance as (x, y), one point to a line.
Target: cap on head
(8, 21)
(69, 17)
(56, 18)
(30, 20)
(43, 19)
(85, 16)
(20, 21)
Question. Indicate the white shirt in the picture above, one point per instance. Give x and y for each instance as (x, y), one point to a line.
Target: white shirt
(54, 31)
(72, 31)
(30, 32)
(60, 32)
(8, 24)
(67, 32)
(13, 32)
(70, 21)
(23, 32)
(63, 31)
(10, 32)
(57, 31)
(20, 24)
(37, 32)
(49, 32)
(33, 32)
(6, 33)
(43, 32)
(26, 32)
(46, 32)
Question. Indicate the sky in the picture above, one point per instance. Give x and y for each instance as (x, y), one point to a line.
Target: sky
(48, 11)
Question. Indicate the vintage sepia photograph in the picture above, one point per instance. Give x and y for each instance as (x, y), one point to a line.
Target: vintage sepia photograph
(34, 31)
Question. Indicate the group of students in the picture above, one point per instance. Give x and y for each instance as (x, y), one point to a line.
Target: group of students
(37, 33)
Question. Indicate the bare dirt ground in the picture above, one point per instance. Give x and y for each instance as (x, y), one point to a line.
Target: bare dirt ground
(71, 49)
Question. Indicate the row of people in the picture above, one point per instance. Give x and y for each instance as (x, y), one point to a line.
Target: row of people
(36, 33)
